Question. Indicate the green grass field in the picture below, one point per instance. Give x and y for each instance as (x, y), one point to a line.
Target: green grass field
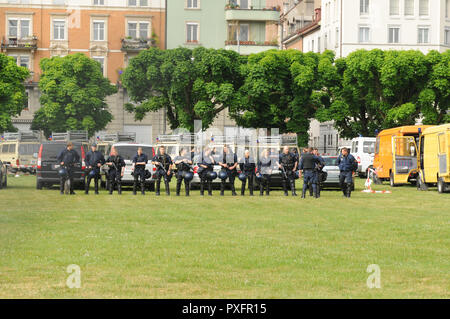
(230, 247)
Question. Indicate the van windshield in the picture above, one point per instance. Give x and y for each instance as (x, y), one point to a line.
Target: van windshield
(369, 147)
(330, 161)
(128, 151)
(28, 149)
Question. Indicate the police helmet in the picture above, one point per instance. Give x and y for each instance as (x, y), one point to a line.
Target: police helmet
(296, 175)
(147, 174)
(188, 176)
(259, 177)
(62, 172)
(212, 175)
(242, 176)
(92, 173)
(223, 175)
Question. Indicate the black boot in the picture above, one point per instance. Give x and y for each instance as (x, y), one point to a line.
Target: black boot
(293, 188)
(261, 189)
(111, 187)
(222, 188)
(143, 188)
(285, 188)
(134, 188)
(233, 190)
(243, 189)
(119, 189)
(96, 187)
(178, 187)
(167, 186)
(349, 190)
(311, 192)
(86, 187)
(267, 189)
(187, 186)
(158, 187)
(209, 188)
(202, 188)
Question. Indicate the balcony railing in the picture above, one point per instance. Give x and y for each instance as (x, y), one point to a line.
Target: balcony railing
(235, 12)
(28, 43)
(135, 45)
(258, 43)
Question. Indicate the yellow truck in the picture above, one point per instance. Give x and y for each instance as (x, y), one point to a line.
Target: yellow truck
(434, 158)
(19, 151)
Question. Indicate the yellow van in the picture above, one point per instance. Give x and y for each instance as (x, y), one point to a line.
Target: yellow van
(434, 151)
(20, 150)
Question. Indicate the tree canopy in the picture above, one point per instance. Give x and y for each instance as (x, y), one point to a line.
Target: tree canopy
(73, 95)
(191, 84)
(12, 91)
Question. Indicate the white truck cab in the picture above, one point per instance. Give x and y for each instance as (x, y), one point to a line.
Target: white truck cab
(363, 149)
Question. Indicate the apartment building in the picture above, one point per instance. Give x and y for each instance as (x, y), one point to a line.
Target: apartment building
(385, 24)
(109, 31)
(245, 26)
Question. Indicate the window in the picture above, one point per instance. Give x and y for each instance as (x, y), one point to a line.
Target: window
(447, 8)
(192, 32)
(409, 7)
(59, 29)
(423, 7)
(99, 2)
(423, 35)
(394, 7)
(244, 4)
(143, 30)
(447, 36)
(100, 60)
(134, 3)
(325, 42)
(22, 60)
(337, 37)
(19, 28)
(364, 6)
(243, 32)
(132, 29)
(192, 4)
(138, 30)
(318, 45)
(364, 33)
(394, 35)
(99, 30)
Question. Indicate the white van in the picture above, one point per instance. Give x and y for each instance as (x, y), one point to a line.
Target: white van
(363, 149)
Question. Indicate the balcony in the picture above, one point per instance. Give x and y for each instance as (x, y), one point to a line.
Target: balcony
(136, 45)
(249, 47)
(14, 43)
(264, 14)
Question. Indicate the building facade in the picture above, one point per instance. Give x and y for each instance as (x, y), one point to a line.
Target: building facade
(245, 26)
(109, 31)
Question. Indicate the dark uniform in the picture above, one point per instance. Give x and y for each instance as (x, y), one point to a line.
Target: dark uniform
(287, 161)
(161, 172)
(70, 159)
(139, 172)
(182, 168)
(264, 169)
(318, 172)
(247, 166)
(92, 161)
(115, 173)
(347, 164)
(230, 159)
(208, 161)
(308, 164)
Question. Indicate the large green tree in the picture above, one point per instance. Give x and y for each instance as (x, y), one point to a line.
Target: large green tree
(191, 84)
(73, 97)
(12, 91)
(373, 90)
(280, 91)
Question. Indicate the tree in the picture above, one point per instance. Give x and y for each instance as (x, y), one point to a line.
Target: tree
(191, 84)
(373, 90)
(12, 91)
(280, 91)
(73, 95)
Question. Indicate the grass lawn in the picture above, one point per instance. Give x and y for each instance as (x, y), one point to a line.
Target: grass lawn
(223, 247)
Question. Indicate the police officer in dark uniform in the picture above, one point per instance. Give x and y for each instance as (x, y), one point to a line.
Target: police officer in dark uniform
(319, 173)
(163, 162)
(139, 162)
(68, 158)
(116, 165)
(264, 171)
(229, 165)
(205, 166)
(288, 165)
(183, 163)
(247, 165)
(347, 165)
(307, 165)
(94, 161)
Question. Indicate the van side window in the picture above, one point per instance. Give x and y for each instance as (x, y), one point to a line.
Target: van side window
(5, 148)
(441, 139)
(377, 145)
(12, 148)
(355, 147)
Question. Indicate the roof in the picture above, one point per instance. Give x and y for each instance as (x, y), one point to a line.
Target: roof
(437, 129)
(403, 129)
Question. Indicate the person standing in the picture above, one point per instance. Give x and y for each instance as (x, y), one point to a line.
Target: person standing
(68, 158)
(205, 167)
(318, 171)
(94, 161)
(140, 161)
(229, 164)
(347, 165)
(264, 170)
(248, 166)
(183, 163)
(163, 162)
(288, 165)
(116, 165)
(307, 166)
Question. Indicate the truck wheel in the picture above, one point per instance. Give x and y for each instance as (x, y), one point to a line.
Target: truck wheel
(391, 180)
(38, 184)
(441, 186)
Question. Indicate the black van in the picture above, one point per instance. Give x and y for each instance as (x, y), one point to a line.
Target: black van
(47, 165)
